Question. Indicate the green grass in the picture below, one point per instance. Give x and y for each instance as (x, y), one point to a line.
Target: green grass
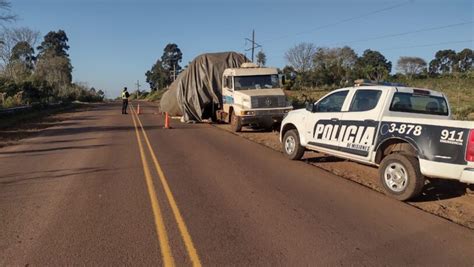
(459, 91)
(156, 95)
(299, 97)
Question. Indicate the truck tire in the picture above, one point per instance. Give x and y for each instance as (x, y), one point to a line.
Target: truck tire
(291, 145)
(235, 122)
(401, 177)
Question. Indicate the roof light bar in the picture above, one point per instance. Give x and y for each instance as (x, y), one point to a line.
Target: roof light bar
(362, 82)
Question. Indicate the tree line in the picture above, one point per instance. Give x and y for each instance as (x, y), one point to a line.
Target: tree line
(44, 76)
(309, 66)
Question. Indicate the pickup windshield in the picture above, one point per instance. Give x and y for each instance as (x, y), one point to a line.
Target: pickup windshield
(256, 82)
(423, 104)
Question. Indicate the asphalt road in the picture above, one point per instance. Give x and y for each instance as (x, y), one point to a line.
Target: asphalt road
(99, 189)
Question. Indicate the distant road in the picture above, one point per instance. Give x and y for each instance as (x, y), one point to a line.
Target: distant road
(108, 189)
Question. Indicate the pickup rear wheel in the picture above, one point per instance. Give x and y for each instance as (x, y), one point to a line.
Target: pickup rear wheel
(235, 122)
(401, 177)
(292, 146)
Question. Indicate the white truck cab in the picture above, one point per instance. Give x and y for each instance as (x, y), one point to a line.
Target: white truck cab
(407, 132)
(252, 96)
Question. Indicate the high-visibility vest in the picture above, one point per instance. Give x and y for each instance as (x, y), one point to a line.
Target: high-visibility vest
(124, 95)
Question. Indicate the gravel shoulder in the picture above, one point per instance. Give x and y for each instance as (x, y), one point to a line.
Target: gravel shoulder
(444, 198)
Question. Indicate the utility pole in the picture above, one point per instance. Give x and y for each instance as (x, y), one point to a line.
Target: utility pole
(254, 44)
(138, 88)
(138, 85)
(173, 73)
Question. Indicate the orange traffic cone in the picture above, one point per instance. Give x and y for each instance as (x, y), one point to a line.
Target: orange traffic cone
(167, 121)
(138, 109)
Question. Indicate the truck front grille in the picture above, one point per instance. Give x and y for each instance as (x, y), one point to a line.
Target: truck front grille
(268, 101)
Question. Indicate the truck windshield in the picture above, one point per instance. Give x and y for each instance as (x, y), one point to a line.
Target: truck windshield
(423, 104)
(256, 82)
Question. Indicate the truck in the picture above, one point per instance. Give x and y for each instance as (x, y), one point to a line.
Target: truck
(408, 133)
(252, 95)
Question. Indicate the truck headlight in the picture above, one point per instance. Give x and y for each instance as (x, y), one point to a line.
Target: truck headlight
(247, 113)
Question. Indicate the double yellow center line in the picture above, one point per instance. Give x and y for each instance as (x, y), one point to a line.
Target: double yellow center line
(166, 252)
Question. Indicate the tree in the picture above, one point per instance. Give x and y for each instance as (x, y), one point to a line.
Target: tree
(300, 57)
(24, 53)
(334, 65)
(289, 72)
(170, 59)
(53, 63)
(21, 62)
(158, 77)
(261, 59)
(5, 11)
(290, 76)
(54, 44)
(465, 60)
(373, 65)
(57, 71)
(11, 37)
(444, 62)
(101, 93)
(411, 66)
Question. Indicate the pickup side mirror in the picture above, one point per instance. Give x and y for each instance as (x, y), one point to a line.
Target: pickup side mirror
(310, 106)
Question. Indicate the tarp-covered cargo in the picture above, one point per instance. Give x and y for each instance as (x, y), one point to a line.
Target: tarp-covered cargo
(196, 92)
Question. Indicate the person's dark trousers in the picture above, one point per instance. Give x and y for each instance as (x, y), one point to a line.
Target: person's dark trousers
(124, 106)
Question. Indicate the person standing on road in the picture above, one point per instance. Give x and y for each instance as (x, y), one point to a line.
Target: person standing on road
(125, 96)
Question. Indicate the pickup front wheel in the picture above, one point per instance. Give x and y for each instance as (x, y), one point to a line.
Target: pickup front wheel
(291, 145)
(401, 177)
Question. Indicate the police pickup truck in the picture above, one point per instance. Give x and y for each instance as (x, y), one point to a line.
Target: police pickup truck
(407, 132)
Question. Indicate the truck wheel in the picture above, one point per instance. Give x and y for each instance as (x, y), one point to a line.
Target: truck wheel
(235, 122)
(401, 177)
(291, 145)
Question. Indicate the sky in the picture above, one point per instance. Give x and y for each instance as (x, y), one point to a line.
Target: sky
(114, 42)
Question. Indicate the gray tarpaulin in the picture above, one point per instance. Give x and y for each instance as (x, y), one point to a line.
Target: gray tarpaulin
(198, 89)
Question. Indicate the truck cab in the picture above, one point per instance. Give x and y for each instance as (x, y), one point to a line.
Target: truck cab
(252, 95)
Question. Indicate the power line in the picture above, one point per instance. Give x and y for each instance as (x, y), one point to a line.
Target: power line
(402, 33)
(406, 33)
(428, 45)
(340, 22)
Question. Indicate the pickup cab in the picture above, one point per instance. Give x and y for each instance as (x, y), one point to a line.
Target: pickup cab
(408, 133)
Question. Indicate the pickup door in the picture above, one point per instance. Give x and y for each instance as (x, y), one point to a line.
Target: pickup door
(323, 122)
(360, 123)
(346, 122)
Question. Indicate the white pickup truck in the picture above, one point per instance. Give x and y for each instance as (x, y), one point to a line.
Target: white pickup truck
(407, 132)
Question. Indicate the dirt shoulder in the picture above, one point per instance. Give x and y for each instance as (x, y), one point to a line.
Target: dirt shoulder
(445, 198)
(14, 128)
